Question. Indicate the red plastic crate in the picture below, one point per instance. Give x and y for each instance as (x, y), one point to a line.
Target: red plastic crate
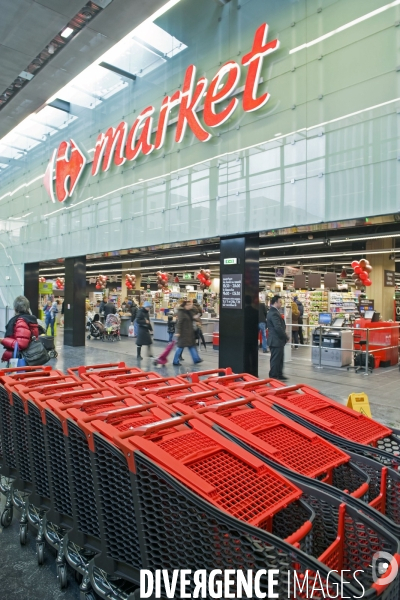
(328, 414)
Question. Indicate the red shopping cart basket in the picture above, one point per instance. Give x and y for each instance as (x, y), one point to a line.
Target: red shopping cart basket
(144, 384)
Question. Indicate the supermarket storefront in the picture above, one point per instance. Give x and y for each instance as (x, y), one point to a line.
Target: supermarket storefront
(229, 120)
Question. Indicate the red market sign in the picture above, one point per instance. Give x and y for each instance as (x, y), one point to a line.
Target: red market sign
(119, 144)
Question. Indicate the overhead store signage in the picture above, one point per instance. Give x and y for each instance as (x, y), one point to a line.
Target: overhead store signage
(119, 144)
(389, 278)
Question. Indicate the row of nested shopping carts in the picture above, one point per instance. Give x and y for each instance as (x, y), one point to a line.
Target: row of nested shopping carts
(117, 470)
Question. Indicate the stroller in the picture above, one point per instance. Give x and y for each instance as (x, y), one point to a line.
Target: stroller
(113, 328)
(96, 328)
(47, 341)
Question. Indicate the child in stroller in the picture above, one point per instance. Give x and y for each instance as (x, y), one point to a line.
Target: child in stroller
(95, 327)
(113, 327)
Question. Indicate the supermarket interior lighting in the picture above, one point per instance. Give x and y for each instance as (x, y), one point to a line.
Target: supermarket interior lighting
(67, 32)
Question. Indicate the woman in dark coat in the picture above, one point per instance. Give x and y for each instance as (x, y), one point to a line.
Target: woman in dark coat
(144, 329)
(19, 329)
(185, 333)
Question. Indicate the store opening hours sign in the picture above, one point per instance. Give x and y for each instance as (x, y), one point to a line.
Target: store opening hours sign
(120, 144)
(231, 291)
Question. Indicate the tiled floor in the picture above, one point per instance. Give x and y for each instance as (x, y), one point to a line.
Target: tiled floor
(21, 579)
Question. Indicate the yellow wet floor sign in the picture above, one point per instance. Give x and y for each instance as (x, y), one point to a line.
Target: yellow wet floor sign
(360, 403)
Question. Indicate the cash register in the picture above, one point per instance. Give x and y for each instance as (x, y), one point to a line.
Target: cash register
(336, 343)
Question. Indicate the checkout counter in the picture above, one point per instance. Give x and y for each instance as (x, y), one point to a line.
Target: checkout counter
(336, 343)
(209, 325)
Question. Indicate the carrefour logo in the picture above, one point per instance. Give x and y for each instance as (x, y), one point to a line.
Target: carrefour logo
(120, 144)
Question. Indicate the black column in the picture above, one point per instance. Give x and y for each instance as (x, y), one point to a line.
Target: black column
(74, 301)
(238, 318)
(31, 285)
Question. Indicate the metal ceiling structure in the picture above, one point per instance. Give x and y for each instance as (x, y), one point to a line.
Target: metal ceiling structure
(28, 27)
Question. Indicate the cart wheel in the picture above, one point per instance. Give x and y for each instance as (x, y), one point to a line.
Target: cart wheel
(23, 533)
(88, 337)
(6, 517)
(40, 553)
(78, 577)
(62, 576)
(55, 354)
(86, 596)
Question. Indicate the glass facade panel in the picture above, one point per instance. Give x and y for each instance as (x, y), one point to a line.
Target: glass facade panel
(324, 147)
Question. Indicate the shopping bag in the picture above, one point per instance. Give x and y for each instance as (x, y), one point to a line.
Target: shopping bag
(15, 361)
(131, 331)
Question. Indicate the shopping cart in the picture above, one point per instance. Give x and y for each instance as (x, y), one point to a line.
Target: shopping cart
(196, 492)
(16, 472)
(47, 512)
(82, 541)
(121, 550)
(342, 425)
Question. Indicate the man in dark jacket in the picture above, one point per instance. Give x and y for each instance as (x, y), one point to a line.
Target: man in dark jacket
(262, 324)
(277, 338)
(109, 309)
(144, 328)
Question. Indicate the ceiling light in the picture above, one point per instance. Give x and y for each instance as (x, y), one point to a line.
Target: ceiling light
(67, 32)
(51, 49)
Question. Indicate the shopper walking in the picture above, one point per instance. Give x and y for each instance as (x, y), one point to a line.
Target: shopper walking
(277, 338)
(49, 317)
(19, 329)
(185, 333)
(295, 325)
(300, 306)
(262, 325)
(144, 330)
(198, 312)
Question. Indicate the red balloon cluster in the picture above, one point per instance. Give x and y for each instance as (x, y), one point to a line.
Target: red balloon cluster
(42, 279)
(130, 281)
(101, 282)
(204, 278)
(60, 283)
(362, 270)
(162, 281)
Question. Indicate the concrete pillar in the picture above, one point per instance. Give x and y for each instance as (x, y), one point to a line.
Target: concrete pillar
(31, 285)
(383, 296)
(238, 317)
(74, 301)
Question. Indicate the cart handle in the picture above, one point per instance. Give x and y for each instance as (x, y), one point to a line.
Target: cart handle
(21, 370)
(152, 381)
(129, 410)
(226, 405)
(41, 396)
(282, 390)
(85, 369)
(195, 377)
(89, 402)
(165, 388)
(249, 384)
(154, 427)
(206, 394)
